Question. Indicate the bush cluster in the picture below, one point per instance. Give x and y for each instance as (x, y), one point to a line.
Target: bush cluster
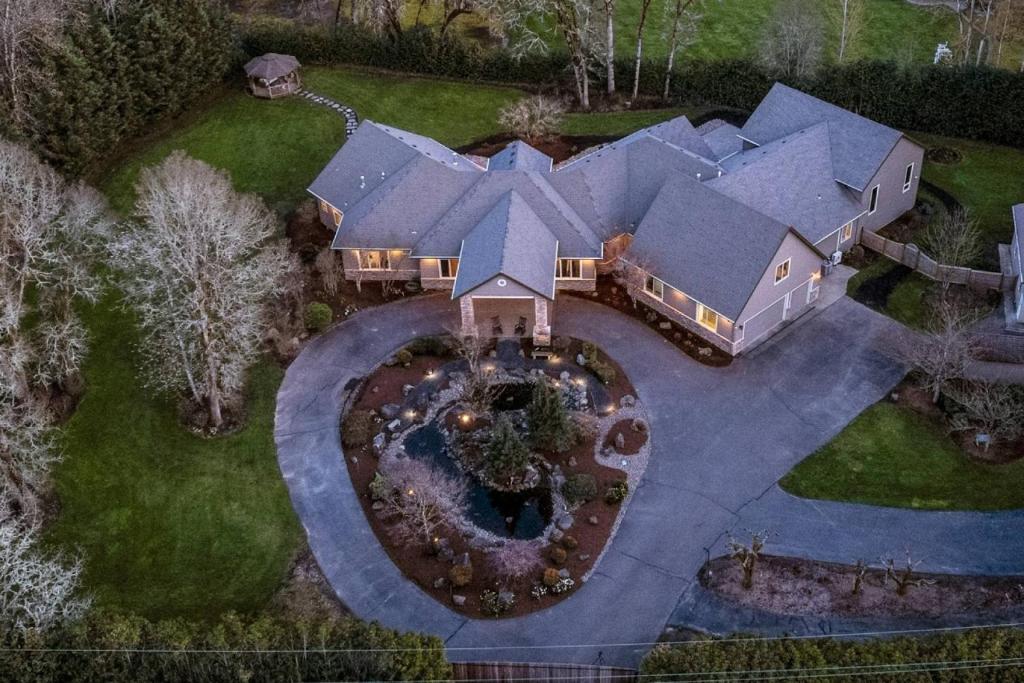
(359, 428)
(970, 102)
(461, 575)
(617, 492)
(344, 650)
(318, 316)
(579, 488)
(429, 346)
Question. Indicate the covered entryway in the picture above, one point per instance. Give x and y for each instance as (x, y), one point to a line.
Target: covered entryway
(525, 315)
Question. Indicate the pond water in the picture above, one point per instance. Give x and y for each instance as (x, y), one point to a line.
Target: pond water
(513, 396)
(522, 515)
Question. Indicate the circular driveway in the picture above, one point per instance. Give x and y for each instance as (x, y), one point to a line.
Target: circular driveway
(721, 438)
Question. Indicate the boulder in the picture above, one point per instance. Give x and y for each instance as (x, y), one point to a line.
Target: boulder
(620, 441)
(592, 519)
(407, 389)
(394, 425)
(627, 401)
(440, 582)
(704, 351)
(378, 443)
(664, 325)
(564, 522)
(580, 360)
(459, 600)
(564, 375)
(639, 425)
(557, 535)
(389, 411)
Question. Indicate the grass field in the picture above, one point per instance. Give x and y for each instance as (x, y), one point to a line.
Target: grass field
(893, 456)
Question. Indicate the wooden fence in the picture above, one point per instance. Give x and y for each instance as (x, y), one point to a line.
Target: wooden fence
(509, 672)
(911, 256)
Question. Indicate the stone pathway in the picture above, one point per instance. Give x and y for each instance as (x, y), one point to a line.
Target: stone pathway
(351, 119)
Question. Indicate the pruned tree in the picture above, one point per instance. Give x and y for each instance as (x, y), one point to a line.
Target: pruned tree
(28, 30)
(533, 118)
(683, 23)
(748, 554)
(423, 498)
(904, 579)
(197, 268)
(848, 17)
(516, 558)
(38, 590)
(793, 39)
(992, 408)
(943, 352)
(50, 235)
(954, 240)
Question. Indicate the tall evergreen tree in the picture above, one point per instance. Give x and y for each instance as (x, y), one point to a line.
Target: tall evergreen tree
(550, 426)
(507, 455)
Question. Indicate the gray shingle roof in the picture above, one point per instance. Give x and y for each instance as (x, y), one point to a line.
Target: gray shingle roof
(859, 145)
(271, 66)
(510, 240)
(706, 244)
(678, 132)
(519, 156)
(792, 180)
(723, 139)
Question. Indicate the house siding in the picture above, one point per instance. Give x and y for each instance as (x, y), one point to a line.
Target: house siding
(586, 283)
(1017, 265)
(834, 242)
(405, 268)
(430, 275)
(893, 202)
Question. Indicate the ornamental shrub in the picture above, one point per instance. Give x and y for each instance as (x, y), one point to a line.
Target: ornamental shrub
(603, 371)
(589, 352)
(557, 555)
(404, 357)
(550, 577)
(359, 428)
(570, 542)
(617, 492)
(579, 488)
(461, 575)
(318, 316)
(429, 346)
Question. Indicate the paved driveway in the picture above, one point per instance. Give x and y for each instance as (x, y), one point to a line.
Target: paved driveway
(721, 439)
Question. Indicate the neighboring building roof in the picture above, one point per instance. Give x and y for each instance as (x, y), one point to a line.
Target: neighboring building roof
(792, 180)
(510, 240)
(271, 66)
(519, 156)
(723, 138)
(707, 245)
(859, 145)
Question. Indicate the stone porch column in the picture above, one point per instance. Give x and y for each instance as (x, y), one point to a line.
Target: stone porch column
(468, 318)
(542, 326)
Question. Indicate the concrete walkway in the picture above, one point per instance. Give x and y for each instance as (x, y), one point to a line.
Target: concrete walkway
(721, 438)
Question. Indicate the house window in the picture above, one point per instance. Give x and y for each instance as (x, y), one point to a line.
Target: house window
(847, 231)
(873, 204)
(782, 271)
(449, 267)
(908, 179)
(570, 268)
(654, 287)
(337, 215)
(374, 260)
(707, 317)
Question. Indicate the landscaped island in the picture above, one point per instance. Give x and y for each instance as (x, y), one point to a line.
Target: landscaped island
(494, 479)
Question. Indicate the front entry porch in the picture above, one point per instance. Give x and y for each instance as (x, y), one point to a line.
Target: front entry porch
(507, 317)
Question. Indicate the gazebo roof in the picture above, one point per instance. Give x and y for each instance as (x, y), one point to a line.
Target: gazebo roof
(271, 66)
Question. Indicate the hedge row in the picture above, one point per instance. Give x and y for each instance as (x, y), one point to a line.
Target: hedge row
(116, 648)
(968, 102)
(932, 658)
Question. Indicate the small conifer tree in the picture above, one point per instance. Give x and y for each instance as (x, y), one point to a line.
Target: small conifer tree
(507, 455)
(550, 426)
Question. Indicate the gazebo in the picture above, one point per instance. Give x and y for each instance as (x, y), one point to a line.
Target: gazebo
(273, 75)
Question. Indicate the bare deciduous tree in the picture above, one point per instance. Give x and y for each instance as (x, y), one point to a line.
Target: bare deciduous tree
(198, 271)
(533, 118)
(682, 23)
(943, 353)
(904, 578)
(516, 558)
(994, 409)
(848, 16)
(50, 234)
(747, 555)
(954, 240)
(859, 570)
(792, 41)
(477, 390)
(423, 498)
(330, 270)
(609, 44)
(645, 5)
(37, 591)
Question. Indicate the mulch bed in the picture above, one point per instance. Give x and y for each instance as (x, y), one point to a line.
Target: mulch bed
(634, 440)
(614, 295)
(423, 568)
(786, 585)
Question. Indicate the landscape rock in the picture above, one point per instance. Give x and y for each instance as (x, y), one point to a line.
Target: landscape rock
(627, 401)
(394, 425)
(664, 325)
(592, 519)
(557, 535)
(407, 389)
(564, 376)
(378, 505)
(584, 557)
(580, 360)
(564, 574)
(378, 443)
(564, 522)
(620, 441)
(639, 425)
(572, 461)
(389, 411)
(704, 351)
(506, 597)
(459, 600)
(375, 390)
(440, 582)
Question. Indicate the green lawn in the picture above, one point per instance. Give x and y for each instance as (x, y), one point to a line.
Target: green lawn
(170, 524)
(891, 455)
(988, 180)
(906, 301)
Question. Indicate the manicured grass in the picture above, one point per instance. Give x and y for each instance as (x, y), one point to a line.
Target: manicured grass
(891, 455)
(273, 148)
(170, 524)
(988, 181)
(452, 113)
(906, 301)
(621, 123)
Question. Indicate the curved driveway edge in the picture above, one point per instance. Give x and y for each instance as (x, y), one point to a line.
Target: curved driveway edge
(721, 438)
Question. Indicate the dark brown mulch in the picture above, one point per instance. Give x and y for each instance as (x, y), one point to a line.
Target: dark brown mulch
(786, 585)
(943, 155)
(634, 440)
(423, 568)
(614, 295)
(559, 147)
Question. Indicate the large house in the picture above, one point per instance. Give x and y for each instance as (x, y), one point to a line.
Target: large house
(724, 230)
(1015, 313)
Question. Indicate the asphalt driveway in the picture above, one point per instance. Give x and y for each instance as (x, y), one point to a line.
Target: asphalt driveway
(721, 439)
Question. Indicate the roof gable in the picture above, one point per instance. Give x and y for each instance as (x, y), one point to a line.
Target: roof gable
(520, 156)
(510, 240)
(859, 145)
